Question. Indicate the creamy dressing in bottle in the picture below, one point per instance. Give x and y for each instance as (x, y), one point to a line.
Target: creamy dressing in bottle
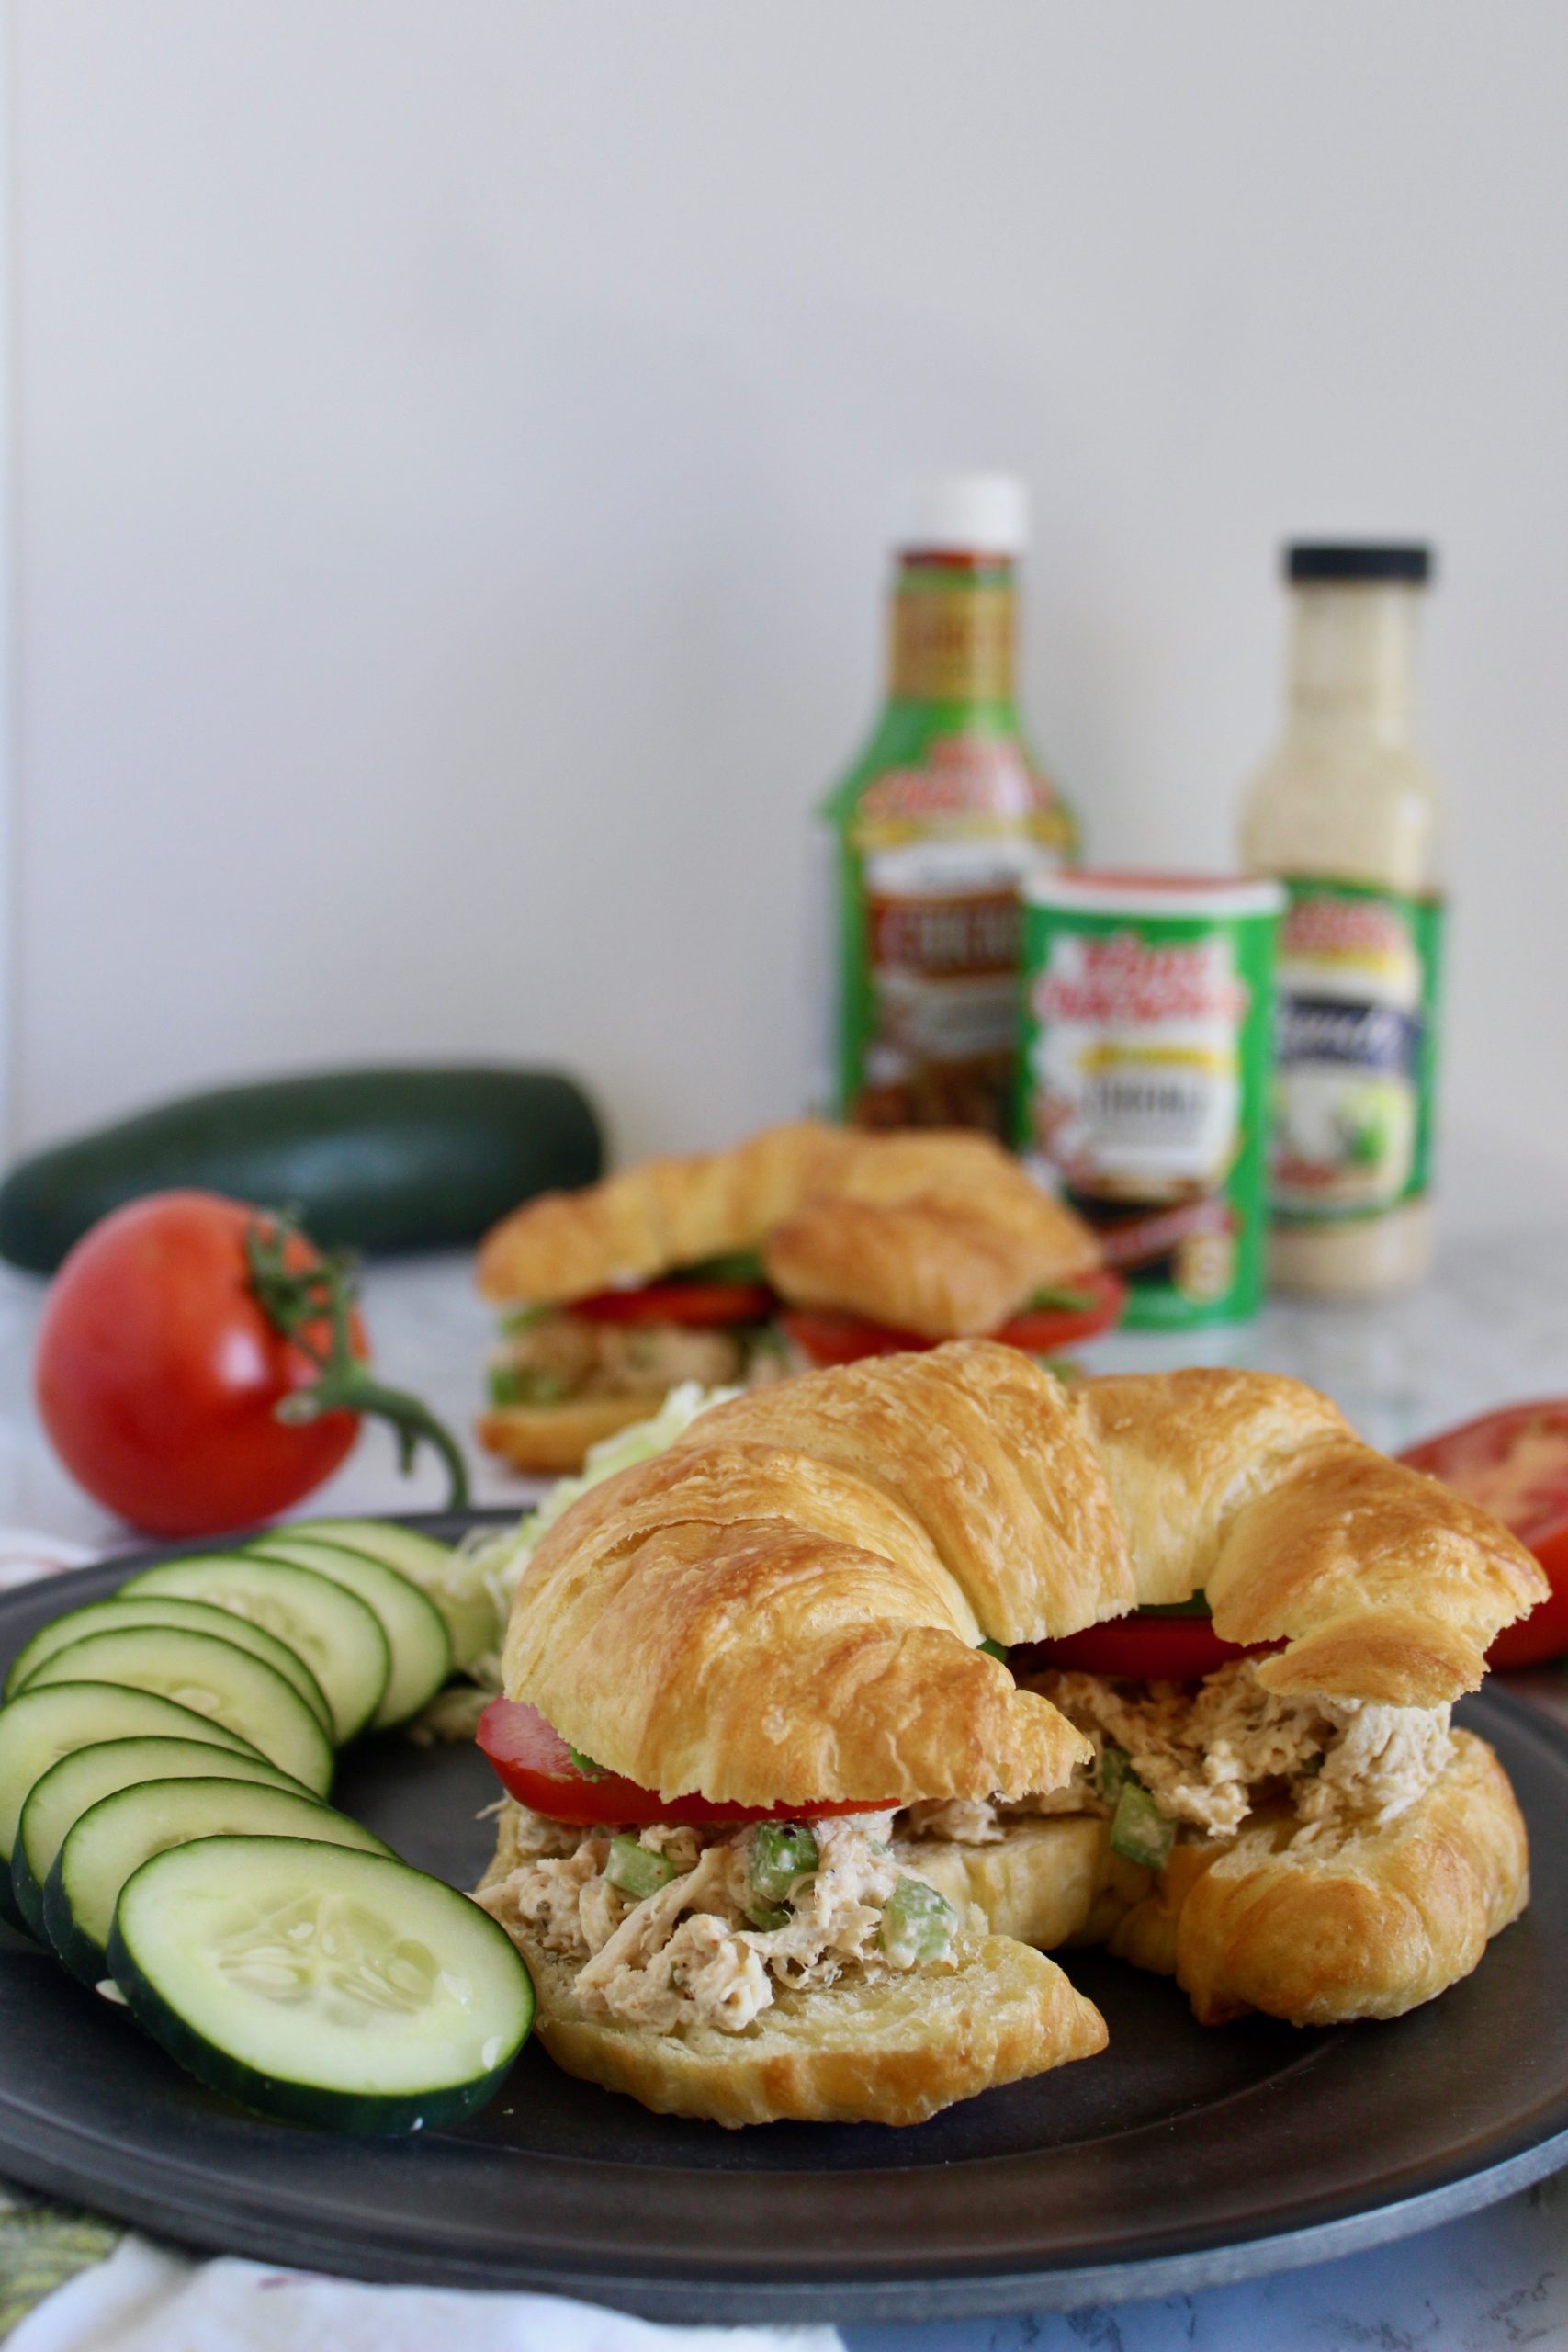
(1346, 813)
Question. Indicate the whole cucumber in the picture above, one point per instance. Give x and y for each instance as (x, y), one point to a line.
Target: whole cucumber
(378, 1160)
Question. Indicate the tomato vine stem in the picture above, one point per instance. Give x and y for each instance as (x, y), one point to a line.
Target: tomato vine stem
(300, 1301)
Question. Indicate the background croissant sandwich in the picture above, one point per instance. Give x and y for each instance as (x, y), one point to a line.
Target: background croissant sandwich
(809, 1243)
(791, 1602)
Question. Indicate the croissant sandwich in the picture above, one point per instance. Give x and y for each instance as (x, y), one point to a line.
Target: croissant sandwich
(808, 1244)
(811, 1832)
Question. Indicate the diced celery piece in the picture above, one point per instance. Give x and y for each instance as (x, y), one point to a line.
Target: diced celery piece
(782, 1852)
(1139, 1831)
(767, 1916)
(918, 1924)
(1114, 1768)
(513, 1384)
(1061, 1302)
(730, 1266)
(522, 1318)
(636, 1869)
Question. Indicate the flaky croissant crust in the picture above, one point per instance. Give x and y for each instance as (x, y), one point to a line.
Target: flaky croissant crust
(938, 1232)
(893, 2052)
(784, 1607)
(1368, 1926)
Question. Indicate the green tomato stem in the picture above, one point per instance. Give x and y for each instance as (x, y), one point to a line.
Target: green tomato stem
(298, 1301)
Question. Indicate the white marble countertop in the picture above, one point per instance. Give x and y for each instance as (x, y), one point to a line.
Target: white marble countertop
(1491, 1327)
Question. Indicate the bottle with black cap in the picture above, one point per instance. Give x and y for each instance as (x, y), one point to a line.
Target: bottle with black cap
(1346, 813)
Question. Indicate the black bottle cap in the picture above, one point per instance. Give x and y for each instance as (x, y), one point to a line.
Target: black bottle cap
(1357, 560)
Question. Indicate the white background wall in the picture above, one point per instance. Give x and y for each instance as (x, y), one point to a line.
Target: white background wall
(456, 438)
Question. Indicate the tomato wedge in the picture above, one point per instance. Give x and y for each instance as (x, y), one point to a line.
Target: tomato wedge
(697, 1302)
(825, 1337)
(533, 1764)
(1515, 1464)
(1042, 1330)
(828, 1337)
(1141, 1648)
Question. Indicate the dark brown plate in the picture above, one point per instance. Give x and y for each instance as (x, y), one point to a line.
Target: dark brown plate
(1178, 2158)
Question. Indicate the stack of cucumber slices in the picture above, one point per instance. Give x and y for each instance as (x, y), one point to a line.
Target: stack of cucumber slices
(165, 1759)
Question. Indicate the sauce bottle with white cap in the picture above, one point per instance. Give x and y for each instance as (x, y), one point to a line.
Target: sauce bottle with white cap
(934, 831)
(1346, 814)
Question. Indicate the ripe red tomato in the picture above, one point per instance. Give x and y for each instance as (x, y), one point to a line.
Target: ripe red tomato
(827, 1337)
(533, 1764)
(157, 1371)
(1515, 1464)
(695, 1302)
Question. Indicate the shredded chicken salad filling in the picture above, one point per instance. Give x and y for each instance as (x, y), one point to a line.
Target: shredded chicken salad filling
(551, 1355)
(673, 1927)
(984, 1821)
(1205, 1756)
(1209, 1755)
(679, 1927)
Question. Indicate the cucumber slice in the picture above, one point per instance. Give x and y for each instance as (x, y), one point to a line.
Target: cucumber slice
(213, 1678)
(167, 1609)
(422, 1647)
(120, 1833)
(320, 1985)
(64, 1793)
(38, 1728)
(438, 1569)
(338, 1637)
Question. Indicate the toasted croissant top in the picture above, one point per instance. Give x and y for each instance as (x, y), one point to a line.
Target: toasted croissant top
(784, 1607)
(939, 1232)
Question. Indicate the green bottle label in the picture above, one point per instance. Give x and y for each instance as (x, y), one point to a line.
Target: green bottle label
(933, 833)
(1144, 1096)
(1355, 1052)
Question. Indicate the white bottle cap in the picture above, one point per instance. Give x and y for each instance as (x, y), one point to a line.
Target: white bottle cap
(968, 514)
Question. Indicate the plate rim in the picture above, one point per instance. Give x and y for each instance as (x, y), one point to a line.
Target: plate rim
(52, 2157)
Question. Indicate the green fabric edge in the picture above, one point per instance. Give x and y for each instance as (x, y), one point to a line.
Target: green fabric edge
(41, 2247)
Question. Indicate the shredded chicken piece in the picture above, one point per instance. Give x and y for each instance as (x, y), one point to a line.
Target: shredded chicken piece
(564, 1354)
(648, 1928)
(526, 1836)
(984, 1821)
(837, 1910)
(702, 1975)
(677, 1841)
(547, 1896)
(1384, 1759)
(962, 1821)
(1208, 1755)
(690, 1953)
(601, 1908)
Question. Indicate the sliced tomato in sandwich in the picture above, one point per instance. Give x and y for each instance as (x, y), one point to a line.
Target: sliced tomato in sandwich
(1076, 1311)
(535, 1765)
(1515, 1464)
(699, 1302)
(1176, 1645)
